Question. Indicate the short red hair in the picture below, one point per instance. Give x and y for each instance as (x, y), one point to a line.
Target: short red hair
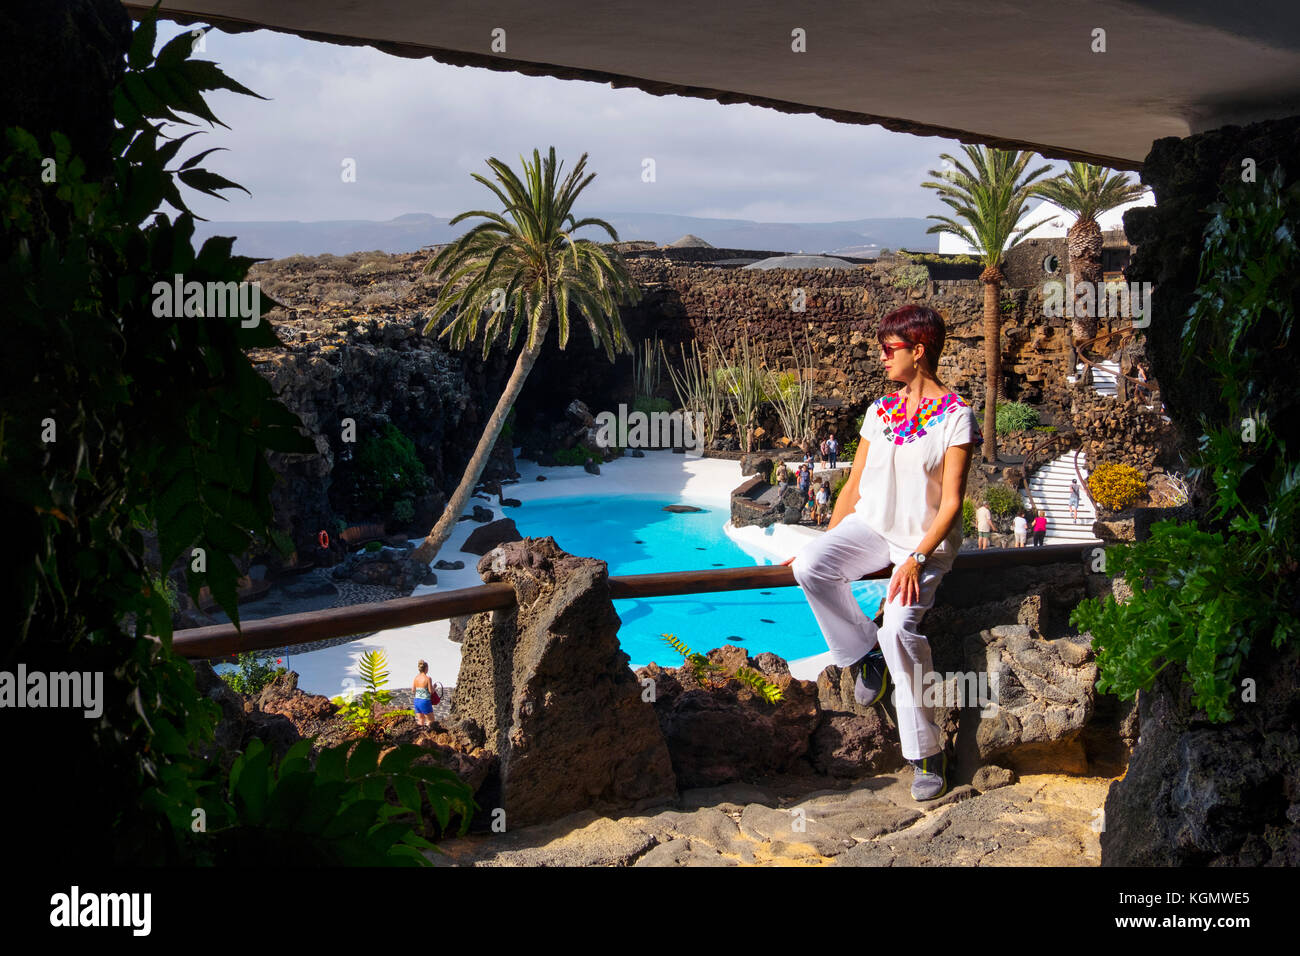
(916, 325)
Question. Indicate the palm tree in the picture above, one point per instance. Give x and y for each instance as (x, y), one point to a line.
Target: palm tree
(1087, 191)
(529, 270)
(991, 196)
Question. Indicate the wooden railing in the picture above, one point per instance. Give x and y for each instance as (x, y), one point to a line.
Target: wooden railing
(1122, 380)
(1036, 456)
(288, 630)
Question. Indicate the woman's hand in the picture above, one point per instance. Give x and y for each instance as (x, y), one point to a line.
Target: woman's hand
(906, 582)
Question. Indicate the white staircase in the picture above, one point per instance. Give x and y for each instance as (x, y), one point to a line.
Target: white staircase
(1050, 485)
(1103, 377)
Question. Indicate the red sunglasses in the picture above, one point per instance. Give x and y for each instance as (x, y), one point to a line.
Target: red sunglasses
(890, 348)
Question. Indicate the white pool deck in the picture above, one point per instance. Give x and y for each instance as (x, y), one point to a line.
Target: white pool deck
(683, 478)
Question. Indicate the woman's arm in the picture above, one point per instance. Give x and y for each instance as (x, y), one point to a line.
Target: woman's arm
(955, 462)
(906, 580)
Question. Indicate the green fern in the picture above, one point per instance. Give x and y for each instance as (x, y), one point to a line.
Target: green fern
(373, 668)
(769, 691)
(362, 710)
(705, 671)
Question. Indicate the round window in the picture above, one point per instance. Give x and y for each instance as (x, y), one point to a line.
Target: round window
(1051, 265)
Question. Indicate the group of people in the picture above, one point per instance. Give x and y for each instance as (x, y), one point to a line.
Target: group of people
(984, 526)
(815, 494)
(1019, 528)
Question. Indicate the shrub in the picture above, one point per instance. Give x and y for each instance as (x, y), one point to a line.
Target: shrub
(253, 673)
(1001, 500)
(838, 487)
(404, 511)
(577, 455)
(648, 405)
(909, 276)
(388, 468)
(967, 518)
(1116, 486)
(849, 450)
(1015, 416)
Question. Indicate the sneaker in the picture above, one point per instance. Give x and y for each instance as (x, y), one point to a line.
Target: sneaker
(931, 777)
(870, 677)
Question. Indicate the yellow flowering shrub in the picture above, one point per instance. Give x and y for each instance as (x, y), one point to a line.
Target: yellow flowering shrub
(1116, 486)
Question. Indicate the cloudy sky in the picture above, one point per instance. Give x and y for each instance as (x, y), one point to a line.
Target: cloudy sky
(417, 129)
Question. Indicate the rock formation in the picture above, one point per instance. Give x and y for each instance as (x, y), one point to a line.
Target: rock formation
(547, 688)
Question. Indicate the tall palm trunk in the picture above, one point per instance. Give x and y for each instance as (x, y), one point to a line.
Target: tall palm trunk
(460, 498)
(992, 279)
(1083, 245)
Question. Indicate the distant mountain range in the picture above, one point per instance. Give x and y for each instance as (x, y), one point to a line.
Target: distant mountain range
(408, 233)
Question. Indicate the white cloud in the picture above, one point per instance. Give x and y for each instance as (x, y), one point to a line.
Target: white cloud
(418, 128)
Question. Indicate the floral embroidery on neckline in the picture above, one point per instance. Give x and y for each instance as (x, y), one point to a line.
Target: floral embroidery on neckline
(900, 429)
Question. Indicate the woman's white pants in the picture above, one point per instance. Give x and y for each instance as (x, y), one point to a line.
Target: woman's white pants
(824, 570)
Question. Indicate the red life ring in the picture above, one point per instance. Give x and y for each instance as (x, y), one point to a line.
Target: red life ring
(324, 540)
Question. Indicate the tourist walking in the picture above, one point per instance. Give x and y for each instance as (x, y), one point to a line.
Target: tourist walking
(1019, 528)
(832, 450)
(803, 481)
(425, 698)
(1074, 499)
(782, 480)
(984, 526)
(823, 503)
(900, 507)
(1040, 529)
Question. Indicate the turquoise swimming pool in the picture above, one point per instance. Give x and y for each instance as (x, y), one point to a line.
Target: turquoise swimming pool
(636, 536)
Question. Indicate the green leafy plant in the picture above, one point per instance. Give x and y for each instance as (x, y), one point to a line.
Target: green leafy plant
(577, 455)
(909, 276)
(849, 451)
(1015, 416)
(350, 809)
(1001, 500)
(388, 468)
(252, 673)
(1204, 596)
(163, 425)
(936, 258)
(967, 518)
(708, 674)
(404, 511)
(362, 711)
(649, 405)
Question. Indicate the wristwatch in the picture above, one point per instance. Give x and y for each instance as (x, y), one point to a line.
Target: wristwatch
(918, 557)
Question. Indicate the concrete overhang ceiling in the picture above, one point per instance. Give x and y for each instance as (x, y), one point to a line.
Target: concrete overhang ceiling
(1018, 73)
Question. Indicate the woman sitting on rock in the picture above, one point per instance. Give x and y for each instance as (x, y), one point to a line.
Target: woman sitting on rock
(900, 506)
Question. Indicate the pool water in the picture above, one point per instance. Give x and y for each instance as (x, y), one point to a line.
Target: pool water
(634, 535)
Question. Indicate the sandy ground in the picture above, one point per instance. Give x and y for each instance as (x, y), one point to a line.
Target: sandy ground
(685, 478)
